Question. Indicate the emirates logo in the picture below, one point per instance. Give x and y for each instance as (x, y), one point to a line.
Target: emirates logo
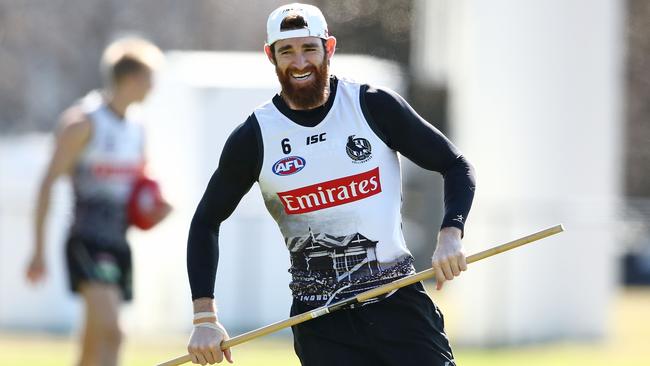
(331, 193)
(106, 170)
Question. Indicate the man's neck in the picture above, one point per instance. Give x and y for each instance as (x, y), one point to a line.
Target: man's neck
(118, 104)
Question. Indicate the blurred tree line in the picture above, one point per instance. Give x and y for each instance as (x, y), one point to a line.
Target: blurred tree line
(50, 49)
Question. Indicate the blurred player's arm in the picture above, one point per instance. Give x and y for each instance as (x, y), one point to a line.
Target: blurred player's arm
(402, 129)
(238, 169)
(72, 136)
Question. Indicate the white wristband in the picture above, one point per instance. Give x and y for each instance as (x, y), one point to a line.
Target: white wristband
(214, 326)
(205, 314)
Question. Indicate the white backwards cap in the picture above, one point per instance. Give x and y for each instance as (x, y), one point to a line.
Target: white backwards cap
(316, 25)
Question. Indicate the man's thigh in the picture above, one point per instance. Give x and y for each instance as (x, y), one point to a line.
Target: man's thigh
(404, 329)
(318, 351)
(336, 339)
(407, 329)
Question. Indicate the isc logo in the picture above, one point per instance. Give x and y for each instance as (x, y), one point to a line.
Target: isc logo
(288, 165)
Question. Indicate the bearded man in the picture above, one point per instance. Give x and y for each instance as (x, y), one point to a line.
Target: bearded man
(324, 152)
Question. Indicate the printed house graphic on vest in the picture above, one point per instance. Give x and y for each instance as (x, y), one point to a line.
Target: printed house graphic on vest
(346, 257)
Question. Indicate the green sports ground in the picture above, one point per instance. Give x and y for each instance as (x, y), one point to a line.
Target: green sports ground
(627, 345)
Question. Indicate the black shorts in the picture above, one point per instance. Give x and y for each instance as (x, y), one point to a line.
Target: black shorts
(405, 329)
(88, 261)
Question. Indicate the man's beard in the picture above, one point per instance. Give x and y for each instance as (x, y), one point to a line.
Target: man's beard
(305, 96)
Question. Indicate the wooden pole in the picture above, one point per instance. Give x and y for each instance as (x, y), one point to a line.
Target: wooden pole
(370, 294)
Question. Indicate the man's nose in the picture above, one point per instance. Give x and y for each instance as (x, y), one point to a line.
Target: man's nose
(300, 61)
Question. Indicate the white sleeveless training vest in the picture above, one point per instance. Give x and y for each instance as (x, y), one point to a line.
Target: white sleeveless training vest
(335, 192)
(105, 173)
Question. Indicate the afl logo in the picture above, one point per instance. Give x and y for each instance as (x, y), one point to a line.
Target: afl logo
(358, 149)
(289, 165)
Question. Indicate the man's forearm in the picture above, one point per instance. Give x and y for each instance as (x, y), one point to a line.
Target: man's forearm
(202, 257)
(42, 207)
(459, 190)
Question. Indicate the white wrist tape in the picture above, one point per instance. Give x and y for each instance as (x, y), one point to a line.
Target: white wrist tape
(205, 314)
(215, 326)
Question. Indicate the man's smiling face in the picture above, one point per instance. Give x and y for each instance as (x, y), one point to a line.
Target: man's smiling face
(302, 66)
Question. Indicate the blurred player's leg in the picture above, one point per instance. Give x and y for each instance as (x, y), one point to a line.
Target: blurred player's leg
(102, 334)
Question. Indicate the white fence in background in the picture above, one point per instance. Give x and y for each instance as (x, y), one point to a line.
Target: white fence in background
(536, 91)
(199, 99)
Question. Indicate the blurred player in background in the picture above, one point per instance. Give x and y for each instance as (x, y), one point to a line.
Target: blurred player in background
(103, 154)
(324, 153)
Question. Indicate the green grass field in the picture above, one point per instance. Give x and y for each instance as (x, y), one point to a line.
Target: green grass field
(627, 345)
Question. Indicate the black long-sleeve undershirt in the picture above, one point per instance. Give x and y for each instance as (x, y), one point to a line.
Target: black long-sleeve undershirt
(390, 117)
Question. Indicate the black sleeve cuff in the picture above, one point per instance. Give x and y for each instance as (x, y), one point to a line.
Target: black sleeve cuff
(454, 222)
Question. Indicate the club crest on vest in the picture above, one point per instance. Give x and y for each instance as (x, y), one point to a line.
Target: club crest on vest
(289, 165)
(358, 149)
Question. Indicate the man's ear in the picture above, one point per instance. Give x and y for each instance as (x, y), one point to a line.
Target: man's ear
(330, 46)
(269, 53)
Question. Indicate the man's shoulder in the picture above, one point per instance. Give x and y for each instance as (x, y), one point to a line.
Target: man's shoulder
(243, 147)
(246, 132)
(79, 113)
(381, 102)
(366, 91)
(352, 84)
(73, 126)
(380, 94)
(368, 88)
(74, 117)
(347, 80)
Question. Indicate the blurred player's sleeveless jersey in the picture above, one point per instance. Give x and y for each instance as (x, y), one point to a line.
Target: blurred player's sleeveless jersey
(335, 192)
(104, 174)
